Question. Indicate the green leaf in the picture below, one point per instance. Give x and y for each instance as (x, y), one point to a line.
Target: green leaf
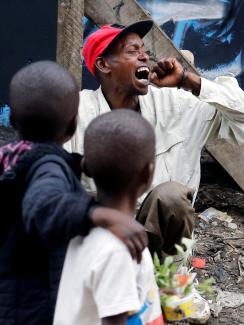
(189, 243)
(156, 260)
(168, 261)
(206, 287)
(188, 289)
(180, 250)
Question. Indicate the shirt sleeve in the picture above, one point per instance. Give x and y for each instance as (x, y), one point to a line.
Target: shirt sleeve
(51, 209)
(225, 95)
(114, 285)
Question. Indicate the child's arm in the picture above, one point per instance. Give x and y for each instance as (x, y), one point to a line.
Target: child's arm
(51, 211)
(115, 320)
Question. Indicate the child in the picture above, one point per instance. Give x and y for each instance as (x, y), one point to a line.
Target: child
(43, 204)
(100, 283)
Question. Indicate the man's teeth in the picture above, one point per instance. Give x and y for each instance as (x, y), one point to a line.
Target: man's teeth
(143, 69)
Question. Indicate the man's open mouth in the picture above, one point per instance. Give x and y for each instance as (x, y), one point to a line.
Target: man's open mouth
(142, 73)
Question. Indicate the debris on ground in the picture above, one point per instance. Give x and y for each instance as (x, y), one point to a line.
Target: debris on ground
(211, 213)
(199, 263)
(220, 242)
(226, 299)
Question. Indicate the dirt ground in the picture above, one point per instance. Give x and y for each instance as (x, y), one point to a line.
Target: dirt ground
(220, 245)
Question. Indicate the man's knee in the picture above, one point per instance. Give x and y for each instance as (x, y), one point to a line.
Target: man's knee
(159, 190)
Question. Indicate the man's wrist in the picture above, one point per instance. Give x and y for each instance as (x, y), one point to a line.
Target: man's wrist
(93, 214)
(182, 78)
(101, 216)
(192, 82)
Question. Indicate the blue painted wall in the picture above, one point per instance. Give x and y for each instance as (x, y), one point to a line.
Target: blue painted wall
(213, 30)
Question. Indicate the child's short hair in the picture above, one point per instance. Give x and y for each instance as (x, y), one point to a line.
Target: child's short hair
(117, 146)
(44, 99)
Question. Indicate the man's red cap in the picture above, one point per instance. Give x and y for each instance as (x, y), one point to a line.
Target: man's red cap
(108, 35)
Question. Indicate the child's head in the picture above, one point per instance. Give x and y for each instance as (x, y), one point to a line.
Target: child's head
(44, 99)
(119, 149)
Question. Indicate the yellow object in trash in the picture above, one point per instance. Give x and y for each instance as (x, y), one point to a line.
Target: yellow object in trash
(179, 308)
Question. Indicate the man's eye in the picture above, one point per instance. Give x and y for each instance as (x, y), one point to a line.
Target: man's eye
(133, 51)
(138, 52)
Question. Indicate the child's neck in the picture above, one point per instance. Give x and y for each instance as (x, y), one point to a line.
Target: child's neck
(123, 203)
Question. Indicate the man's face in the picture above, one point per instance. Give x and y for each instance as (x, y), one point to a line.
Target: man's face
(128, 62)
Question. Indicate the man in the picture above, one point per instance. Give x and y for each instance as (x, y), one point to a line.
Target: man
(183, 120)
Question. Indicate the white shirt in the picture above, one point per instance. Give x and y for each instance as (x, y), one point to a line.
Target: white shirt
(100, 279)
(182, 123)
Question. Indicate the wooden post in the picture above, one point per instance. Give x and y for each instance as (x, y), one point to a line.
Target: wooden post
(70, 35)
(231, 156)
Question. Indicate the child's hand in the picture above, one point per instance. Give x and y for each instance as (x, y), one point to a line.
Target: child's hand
(124, 227)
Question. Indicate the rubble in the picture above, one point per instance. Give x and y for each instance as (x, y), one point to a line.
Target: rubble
(226, 299)
(221, 243)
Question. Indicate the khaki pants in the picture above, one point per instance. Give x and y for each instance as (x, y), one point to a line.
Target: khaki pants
(166, 221)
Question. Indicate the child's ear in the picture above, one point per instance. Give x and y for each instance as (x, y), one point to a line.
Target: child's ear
(147, 175)
(84, 167)
(71, 128)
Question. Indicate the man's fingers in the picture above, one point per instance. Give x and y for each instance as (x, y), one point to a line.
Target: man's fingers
(153, 78)
(136, 255)
(137, 241)
(144, 238)
(159, 71)
(140, 235)
(138, 244)
(139, 247)
(168, 71)
(170, 64)
(166, 65)
(162, 65)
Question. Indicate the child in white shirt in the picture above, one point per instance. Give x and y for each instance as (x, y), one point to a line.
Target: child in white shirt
(100, 283)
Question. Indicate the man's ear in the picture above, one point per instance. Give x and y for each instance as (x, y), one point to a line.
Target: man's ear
(84, 167)
(102, 65)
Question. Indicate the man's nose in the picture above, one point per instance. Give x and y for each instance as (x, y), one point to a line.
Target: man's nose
(143, 56)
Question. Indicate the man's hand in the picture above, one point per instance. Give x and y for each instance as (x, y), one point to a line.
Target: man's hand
(124, 227)
(169, 73)
(166, 73)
